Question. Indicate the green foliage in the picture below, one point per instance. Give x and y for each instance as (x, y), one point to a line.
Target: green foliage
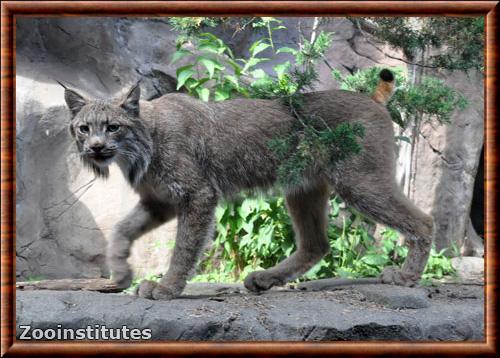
(252, 233)
(188, 27)
(312, 51)
(206, 76)
(304, 148)
(311, 142)
(431, 98)
(462, 39)
(438, 266)
(257, 234)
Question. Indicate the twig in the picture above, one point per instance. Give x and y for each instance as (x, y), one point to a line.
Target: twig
(314, 29)
(91, 284)
(366, 35)
(327, 63)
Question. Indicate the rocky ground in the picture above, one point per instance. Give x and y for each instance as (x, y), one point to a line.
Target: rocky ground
(448, 312)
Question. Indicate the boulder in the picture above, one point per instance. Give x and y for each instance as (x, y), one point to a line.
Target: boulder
(469, 268)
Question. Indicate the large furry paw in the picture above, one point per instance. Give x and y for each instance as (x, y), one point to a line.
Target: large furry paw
(396, 276)
(262, 280)
(122, 279)
(154, 291)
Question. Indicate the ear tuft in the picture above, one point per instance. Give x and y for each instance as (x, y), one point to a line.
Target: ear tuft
(131, 102)
(74, 101)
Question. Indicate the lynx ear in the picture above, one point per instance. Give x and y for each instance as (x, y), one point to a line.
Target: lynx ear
(131, 102)
(74, 101)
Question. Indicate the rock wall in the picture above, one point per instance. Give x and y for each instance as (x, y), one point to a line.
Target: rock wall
(446, 163)
(64, 215)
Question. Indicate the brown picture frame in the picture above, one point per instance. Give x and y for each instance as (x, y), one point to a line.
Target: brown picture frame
(12, 9)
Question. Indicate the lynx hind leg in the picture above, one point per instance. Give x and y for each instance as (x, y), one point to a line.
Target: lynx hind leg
(308, 209)
(144, 217)
(393, 209)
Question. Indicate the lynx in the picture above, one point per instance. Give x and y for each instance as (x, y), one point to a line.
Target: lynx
(182, 156)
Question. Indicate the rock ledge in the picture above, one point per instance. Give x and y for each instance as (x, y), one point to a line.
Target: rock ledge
(229, 312)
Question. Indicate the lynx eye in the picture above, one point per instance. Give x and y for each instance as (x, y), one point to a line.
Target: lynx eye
(112, 128)
(83, 129)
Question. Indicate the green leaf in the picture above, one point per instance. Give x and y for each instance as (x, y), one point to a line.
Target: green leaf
(246, 239)
(220, 210)
(345, 273)
(388, 245)
(265, 235)
(257, 47)
(227, 247)
(199, 82)
(246, 207)
(337, 75)
(221, 94)
(179, 54)
(209, 65)
(258, 73)
(183, 74)
(248, 226)
(236, 67)
(335, 208)
(203, 93)
(209, 35)
(254, 61)
(282, 68)
(263, 205)
(232, 79)
(288, 250)
(401, 251)
(374, 259)
(191, 83)
(209, 47)
(281, 27)
(287, 50)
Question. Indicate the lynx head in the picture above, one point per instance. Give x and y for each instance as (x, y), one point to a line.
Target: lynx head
(110, 131)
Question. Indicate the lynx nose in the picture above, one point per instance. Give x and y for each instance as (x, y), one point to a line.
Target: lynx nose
(97, 148)
(96, 144)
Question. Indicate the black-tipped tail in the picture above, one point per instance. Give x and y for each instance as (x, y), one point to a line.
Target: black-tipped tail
(386, 75)
(385, 87)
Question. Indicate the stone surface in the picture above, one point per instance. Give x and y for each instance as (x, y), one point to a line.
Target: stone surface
(469, 268)
(446, 162)
(395, 297)
(223, 313)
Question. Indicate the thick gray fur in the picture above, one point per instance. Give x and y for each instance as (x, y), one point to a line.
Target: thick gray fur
(182, 156)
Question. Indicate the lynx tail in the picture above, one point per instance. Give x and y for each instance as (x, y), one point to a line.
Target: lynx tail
(385, 87)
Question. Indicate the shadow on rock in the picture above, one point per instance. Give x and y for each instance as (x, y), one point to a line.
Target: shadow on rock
(57, 235)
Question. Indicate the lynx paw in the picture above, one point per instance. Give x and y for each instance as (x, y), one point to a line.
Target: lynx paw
(154, 291)
(261, 281)
(122, 279)
(395, 276)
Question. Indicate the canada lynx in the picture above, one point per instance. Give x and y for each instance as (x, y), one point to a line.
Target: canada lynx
(182, 156)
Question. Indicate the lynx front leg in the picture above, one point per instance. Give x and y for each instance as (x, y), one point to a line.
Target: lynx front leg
(144, 217)
(195, 225)
(309, 211)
